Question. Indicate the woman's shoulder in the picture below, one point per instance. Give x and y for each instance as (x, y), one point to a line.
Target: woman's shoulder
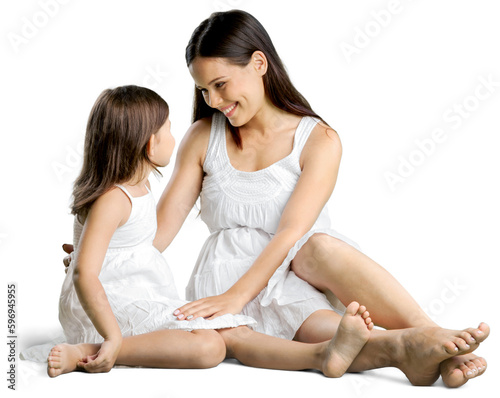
(322, 141)
(196, 139)
(323, 134)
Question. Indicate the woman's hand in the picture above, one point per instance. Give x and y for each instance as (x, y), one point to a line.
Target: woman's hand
(211, 307)
(67, 260)
(104, 360)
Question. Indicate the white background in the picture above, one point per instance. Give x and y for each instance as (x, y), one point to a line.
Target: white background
(413, 63)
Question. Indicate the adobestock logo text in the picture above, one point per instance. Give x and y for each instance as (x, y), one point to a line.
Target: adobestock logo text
(31, 26)
(454, 116)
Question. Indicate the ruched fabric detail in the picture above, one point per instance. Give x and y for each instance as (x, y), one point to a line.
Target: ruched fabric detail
(242, 211)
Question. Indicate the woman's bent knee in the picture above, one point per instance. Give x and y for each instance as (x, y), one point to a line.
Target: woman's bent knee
(319, 250)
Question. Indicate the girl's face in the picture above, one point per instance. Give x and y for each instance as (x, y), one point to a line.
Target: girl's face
(236, 91)
(164, 144)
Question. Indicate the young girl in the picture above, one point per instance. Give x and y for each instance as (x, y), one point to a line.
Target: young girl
(118, 296)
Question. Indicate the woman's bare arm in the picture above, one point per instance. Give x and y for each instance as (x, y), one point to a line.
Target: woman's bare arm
(184, 186)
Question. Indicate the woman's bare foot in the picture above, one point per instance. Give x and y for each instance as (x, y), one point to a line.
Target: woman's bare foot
(352, 334)
(64, 358)
(456, 371)
(459, 370)
(422, 350)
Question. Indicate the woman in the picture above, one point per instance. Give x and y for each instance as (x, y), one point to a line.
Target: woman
(265, 166)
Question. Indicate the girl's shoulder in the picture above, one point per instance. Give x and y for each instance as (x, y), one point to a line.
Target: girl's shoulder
(113, 205)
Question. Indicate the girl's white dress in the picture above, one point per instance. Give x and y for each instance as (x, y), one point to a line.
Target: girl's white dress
(138, 283)
(243, 210)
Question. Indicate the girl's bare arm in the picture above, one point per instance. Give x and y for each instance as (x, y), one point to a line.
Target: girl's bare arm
(108, 212)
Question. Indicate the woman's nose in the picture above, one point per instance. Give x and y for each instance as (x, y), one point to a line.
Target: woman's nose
(214, 100)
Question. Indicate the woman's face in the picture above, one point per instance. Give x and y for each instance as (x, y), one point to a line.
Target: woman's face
(236, 91)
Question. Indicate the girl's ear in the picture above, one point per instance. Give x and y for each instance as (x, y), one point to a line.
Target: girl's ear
(259, 62)
(151, 146)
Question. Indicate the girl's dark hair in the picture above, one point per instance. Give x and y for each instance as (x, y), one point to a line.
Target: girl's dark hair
(119, 128)
(236, 35)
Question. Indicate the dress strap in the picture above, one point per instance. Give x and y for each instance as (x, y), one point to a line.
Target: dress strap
(303, 132)
(215, 141)
(126, 192)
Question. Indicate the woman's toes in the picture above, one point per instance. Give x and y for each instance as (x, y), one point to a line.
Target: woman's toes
(480, 333)
(470, 370)
(461, 344)
(456, 346)
(352, 308)
(467, 337)
(480, 365)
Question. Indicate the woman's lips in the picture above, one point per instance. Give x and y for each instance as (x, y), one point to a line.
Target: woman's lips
(229, 110)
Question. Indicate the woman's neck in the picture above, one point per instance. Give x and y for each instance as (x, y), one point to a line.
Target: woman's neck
(266, 120)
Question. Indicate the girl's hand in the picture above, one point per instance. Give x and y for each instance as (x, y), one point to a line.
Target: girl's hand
(67, 260)
(105, 358)
(210, 307)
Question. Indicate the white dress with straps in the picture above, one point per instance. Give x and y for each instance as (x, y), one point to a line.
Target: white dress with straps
(242, 211)
(138, 283)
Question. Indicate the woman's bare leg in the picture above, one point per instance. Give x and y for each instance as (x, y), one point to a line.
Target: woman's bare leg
(160, 349)
(418, 352)
(330, 264)
(332, 358)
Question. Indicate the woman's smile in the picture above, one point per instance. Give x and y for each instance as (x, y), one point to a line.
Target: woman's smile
(228, 111)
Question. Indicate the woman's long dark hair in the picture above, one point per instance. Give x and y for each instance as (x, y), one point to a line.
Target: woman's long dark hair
(236, 35)
(119, 128)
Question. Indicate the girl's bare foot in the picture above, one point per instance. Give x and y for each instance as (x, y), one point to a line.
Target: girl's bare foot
(422, 350)
(352, 334)
(458, 370)
(64, 358)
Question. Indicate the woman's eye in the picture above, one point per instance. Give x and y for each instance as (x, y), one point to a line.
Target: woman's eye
(219, 85)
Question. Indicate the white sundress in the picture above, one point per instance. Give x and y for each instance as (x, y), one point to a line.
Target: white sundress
(138, 283)
(242, 211)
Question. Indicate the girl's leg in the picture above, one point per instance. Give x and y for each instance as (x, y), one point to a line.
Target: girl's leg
(160, 349)
(333, 358)
(418, 352)
(173, 349)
